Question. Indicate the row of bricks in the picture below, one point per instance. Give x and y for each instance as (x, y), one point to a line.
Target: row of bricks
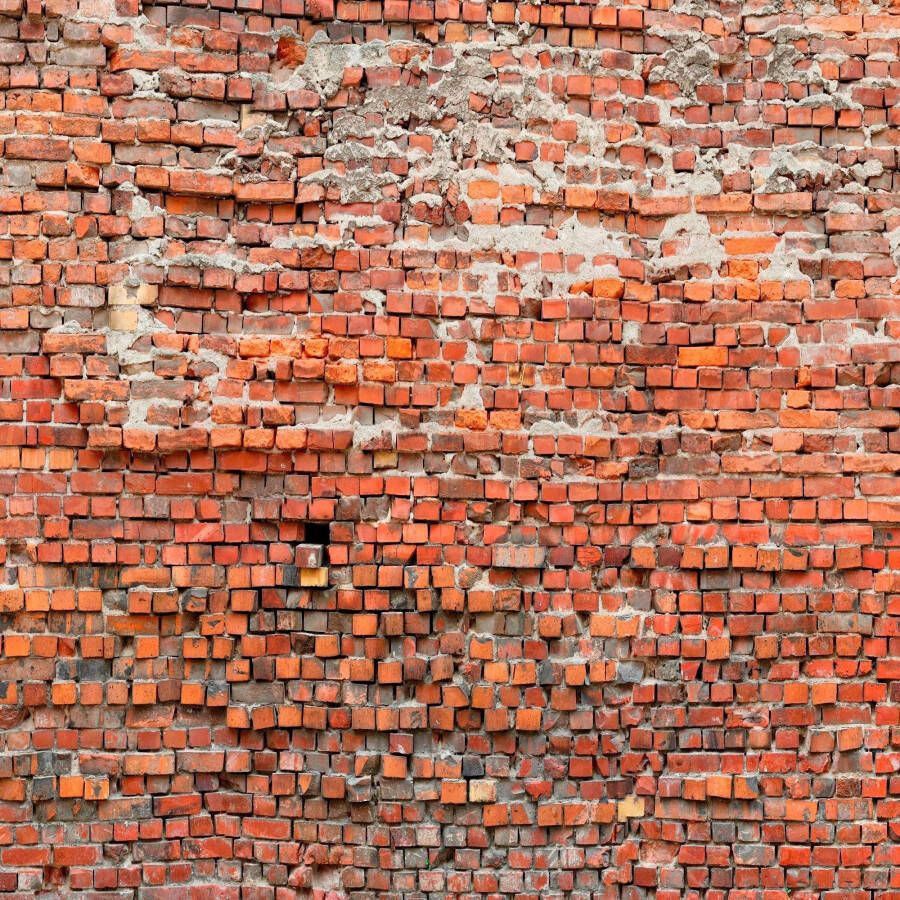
(259, 697)
(255, 666)
(52, 233)
(779, 635)
(554, 23)
(745, 284)
(729, 344)
(744, 104)
(788, 572)
(248, 572)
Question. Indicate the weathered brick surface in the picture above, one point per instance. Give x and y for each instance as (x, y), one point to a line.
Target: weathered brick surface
(449, 449)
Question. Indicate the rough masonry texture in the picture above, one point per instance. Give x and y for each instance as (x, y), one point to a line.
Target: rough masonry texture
(449, 449)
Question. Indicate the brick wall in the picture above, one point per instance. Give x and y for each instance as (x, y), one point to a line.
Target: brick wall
(449, 449)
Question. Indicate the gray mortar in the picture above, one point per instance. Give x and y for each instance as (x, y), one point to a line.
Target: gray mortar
(689, 63)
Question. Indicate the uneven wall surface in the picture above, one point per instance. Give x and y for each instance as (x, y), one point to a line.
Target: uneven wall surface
(449, 449)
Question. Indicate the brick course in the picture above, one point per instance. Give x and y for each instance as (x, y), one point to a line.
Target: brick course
(449, 449)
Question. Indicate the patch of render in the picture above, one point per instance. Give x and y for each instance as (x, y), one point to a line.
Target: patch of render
(782, 64)
(698, 246)
(580, 423)
(359, 185)
(862, 172)
(893, 238)
(492, 144)
(854, 335)
(469, 72)
(140, 205)
(784, 265)
(833, 95)
(323, 69)
(449, 95)
(702, 9)
(784, 55)
(429, 103)
(690, 62)
(280, 166)
(727, 160)
(104, 12)
(631, 333)
(147, 86)
(589, 241)
(787, 170)
(463, 77)
(367, 435)
(693, 61)
(136, 364)
(132, 363)
(154, 252)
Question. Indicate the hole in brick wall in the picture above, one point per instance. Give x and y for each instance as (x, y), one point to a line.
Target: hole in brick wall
(310, 563)
(316, 533)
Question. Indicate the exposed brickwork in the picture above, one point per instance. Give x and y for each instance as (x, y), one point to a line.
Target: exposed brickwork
(449, 449)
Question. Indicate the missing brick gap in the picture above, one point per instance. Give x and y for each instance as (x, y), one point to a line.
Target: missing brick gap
(317, 533)
(310, 566)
